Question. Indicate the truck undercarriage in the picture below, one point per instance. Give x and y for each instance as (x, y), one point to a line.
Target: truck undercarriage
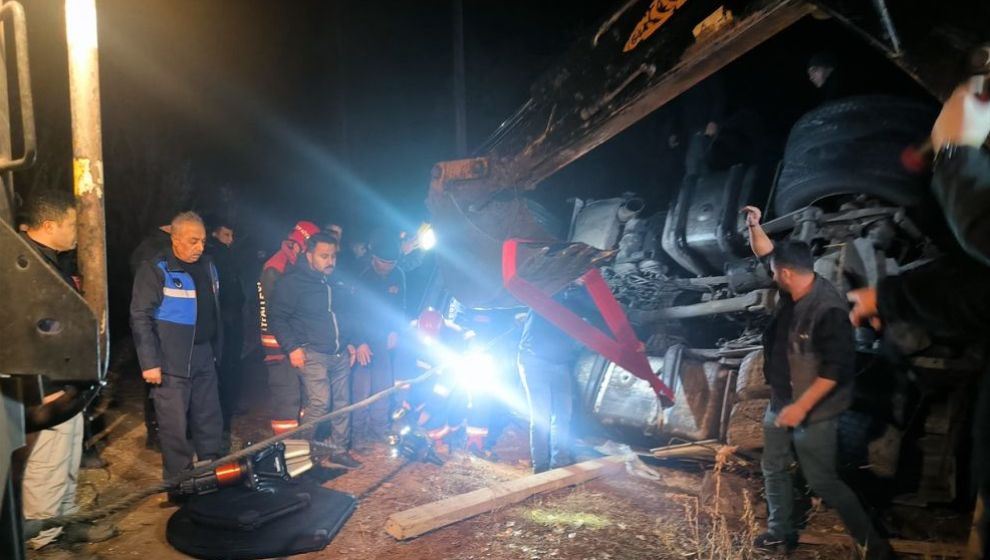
(683, 272)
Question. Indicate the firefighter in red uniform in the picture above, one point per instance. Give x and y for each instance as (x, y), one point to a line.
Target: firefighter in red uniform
(431, 343)
(283, 382)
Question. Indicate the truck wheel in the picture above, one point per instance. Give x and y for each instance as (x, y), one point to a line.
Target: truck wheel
(853, 146)
(750, 382)
(746, 424)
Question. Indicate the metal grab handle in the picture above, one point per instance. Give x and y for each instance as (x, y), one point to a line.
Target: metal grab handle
(14, 12)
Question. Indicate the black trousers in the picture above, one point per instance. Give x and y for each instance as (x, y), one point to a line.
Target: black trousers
(189, 403)
(229, 372)
(284, 393)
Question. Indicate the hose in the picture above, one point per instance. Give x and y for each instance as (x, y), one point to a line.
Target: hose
(134, 497)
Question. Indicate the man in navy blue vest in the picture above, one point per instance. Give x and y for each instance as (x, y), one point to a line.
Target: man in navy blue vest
(177, 329)
(809, 358)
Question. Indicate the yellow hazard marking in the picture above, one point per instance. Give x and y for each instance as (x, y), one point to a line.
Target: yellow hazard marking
(658, 14)
(87, 177)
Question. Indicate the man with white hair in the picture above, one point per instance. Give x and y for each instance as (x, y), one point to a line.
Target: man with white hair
(177, 329)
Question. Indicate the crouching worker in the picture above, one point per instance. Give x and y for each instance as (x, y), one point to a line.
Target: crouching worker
(430, 343)
(809, 356)
(302, 318)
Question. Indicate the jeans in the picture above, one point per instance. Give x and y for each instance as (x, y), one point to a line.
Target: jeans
(326, 380)
(189, 404)
(549, 392)
(815, 445)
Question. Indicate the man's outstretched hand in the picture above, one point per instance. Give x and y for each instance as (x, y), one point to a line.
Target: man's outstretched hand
(753, 215)
(864, 309)
(964, 120)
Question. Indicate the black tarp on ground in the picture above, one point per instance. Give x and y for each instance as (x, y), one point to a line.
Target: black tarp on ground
(299, 528)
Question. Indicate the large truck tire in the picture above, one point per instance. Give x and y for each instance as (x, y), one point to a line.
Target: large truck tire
(854, 146)
(745, 429)
(750, 381)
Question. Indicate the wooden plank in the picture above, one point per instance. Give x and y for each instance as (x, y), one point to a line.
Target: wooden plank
(422, 519)
(921, 548)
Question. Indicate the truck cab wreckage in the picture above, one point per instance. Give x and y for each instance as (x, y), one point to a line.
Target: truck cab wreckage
(683, 274)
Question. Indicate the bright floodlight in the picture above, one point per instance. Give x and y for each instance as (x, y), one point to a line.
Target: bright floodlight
(476, 371)
(428, 239)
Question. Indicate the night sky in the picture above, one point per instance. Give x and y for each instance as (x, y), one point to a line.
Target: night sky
(302, 108)
(276, 111)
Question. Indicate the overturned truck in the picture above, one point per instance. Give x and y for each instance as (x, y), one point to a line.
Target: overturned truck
(683, 272)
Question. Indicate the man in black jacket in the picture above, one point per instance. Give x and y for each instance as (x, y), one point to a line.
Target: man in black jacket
(178, 333)
(301, 316)
(51, 470)
(231, 308)
(809, 357)
(546, 356)
(378, 307)
(951, 296)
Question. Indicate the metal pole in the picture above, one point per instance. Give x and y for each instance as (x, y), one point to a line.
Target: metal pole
(7, 204)
(87, 157)
(460, 104)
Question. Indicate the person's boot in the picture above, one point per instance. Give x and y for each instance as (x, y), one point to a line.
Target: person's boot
(879, 549)
(91, 459)
(346, 460)
(152, 442)
(770, 542)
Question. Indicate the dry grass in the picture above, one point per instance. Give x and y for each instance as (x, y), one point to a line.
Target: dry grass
(712, 534)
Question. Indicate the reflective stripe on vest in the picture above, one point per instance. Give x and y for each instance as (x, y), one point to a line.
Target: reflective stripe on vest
(178, 297)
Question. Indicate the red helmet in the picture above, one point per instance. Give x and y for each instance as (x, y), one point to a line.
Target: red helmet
(302, 231)
(430, 322)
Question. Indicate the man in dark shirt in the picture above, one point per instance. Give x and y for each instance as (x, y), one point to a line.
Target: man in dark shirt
(809, 350)
(546, 355)
(218, 247)
(826, 74)
(51, 470)
(831, 342)
(302, 318)
(378, 308)
(175, 321)
(951, 296)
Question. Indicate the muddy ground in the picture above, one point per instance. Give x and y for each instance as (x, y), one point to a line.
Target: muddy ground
(684, 514)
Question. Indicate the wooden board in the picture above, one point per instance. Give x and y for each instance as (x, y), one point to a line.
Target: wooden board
(921, 548)
(422, 519)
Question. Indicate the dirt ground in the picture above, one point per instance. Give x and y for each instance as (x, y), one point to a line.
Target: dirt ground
(683, 514)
